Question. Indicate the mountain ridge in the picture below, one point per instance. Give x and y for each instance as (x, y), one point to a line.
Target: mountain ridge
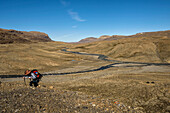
(15, 36)
(165, 34)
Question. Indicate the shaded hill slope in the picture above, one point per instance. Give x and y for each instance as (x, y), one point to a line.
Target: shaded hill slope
(13, 36)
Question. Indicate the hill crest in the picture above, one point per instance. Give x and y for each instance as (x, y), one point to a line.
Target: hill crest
(14, 36)
(164, 34)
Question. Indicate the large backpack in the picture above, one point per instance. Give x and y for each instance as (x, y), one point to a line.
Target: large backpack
(38, 75)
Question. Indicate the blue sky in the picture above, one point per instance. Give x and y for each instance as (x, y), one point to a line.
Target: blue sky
(73, 20)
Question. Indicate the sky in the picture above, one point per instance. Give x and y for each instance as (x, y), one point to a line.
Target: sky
(73, 20)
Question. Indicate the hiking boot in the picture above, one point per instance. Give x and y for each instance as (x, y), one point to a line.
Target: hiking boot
(38, 86)
(32, 87)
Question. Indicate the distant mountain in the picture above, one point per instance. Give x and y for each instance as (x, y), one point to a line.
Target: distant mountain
(89, 39)
(165, 34)
(103, 37)
(14, 36)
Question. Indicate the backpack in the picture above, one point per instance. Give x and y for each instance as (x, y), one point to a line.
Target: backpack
(38, 75)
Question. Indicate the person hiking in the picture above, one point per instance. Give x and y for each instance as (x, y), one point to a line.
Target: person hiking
(34, 76)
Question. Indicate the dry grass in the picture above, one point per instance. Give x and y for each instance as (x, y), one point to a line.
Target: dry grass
(47, 56)
(153, 49)
(15, 58)
(128, 85)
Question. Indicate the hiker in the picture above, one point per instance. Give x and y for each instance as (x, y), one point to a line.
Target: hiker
(34, 76)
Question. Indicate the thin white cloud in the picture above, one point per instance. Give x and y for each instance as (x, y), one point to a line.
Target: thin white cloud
(66, 35)
(64, 3)
(75, 16)
(74, 26)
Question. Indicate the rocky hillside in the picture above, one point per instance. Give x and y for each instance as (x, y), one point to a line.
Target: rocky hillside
(13, 36)
(165, 34)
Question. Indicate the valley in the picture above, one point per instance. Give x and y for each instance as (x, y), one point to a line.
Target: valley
(125, 75)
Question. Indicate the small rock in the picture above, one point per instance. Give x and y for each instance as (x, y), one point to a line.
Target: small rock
(93, 105)
(138, 108)
(164, 99)
(43, 86)
(85, 107)
(167, 108)
(3, 110)
(51, 87)
(16, 110)
(44, 109)
(107, 109)
(78, 107)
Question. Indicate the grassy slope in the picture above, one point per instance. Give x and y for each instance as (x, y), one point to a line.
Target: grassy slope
(124, 84)
(13, 36)
(45, 56)
(18, 57)
(154, 49)
(15, 58)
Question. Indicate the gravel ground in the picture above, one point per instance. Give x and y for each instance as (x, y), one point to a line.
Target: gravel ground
(17, 98)
(119, 89)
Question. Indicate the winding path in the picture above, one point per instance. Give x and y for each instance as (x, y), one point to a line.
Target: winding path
(101, 57)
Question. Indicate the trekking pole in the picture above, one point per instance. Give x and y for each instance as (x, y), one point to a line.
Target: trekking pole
(25, 81)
